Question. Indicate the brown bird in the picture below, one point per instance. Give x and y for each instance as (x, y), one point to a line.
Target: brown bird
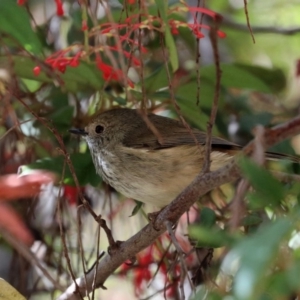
(132, 159)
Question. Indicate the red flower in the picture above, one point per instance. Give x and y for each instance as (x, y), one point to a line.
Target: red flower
(111, 28)
(60, 62)
(144, 270)
(84, 25)
(71, 194)
(205, 11)
(196, 26)
(21, 2)
(109, 73)
(128, 55)
(74, 62)
(174, 29)
(59, 8)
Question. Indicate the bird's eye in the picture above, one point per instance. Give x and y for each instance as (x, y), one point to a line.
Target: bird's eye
(99, 129)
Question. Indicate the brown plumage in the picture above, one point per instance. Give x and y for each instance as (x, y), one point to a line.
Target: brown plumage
(131, 158)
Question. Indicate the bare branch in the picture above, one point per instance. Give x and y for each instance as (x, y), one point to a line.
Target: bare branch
(214, 108)
(248, 20)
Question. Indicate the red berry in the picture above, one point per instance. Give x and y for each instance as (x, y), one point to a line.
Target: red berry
(36, 70)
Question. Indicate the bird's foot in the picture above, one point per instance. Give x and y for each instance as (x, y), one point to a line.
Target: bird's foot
(152, 219)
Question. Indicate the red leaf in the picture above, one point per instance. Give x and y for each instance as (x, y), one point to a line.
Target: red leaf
(14, 224)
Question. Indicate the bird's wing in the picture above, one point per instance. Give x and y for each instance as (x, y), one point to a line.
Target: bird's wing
(171, 133)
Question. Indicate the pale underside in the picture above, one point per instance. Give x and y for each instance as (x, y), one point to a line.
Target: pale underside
(154, 176)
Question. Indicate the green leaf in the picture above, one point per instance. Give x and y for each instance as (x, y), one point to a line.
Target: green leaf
(15, 22)
(203, 292)
(120, 100)
(162, 7)
(194, 115)
(156, 80)
(83, 77)
(284, 147)
(249, 121)
(251, 220)
(62, 117)
(210, 237)
(207, 217)
(267, 186)
(234, 76)
(185, 96)
(274, 78)
(255, 254)
(31, 85)
(172, 49)
(82, 163)
(185, 33)
(187, 93)
(293, 274)
(58, 98)
(136, 209)
(278, 285)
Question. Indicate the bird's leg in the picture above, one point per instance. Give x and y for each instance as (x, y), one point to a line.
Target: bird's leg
(152, 219)
(152, 216)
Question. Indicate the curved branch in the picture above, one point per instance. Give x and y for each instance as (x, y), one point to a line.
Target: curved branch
(202, 184)
(259, 29)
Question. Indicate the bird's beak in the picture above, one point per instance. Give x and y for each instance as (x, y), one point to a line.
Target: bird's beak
(78, 131)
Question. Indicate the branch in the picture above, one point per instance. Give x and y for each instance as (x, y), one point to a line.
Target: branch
(202, 184)
(226, 21)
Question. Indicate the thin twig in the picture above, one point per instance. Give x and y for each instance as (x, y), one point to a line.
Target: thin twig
(158, 292)
(180, 254)
(62, 233)
(172, 94)
(81, 250)
(248, 20)
(198, 55)
(97, 261)
(237, 204)
(214, 109)
(140, 31)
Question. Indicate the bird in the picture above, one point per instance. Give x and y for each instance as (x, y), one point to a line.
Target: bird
(146, 166)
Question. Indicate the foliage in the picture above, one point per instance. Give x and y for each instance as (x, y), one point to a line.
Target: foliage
(130, 54)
